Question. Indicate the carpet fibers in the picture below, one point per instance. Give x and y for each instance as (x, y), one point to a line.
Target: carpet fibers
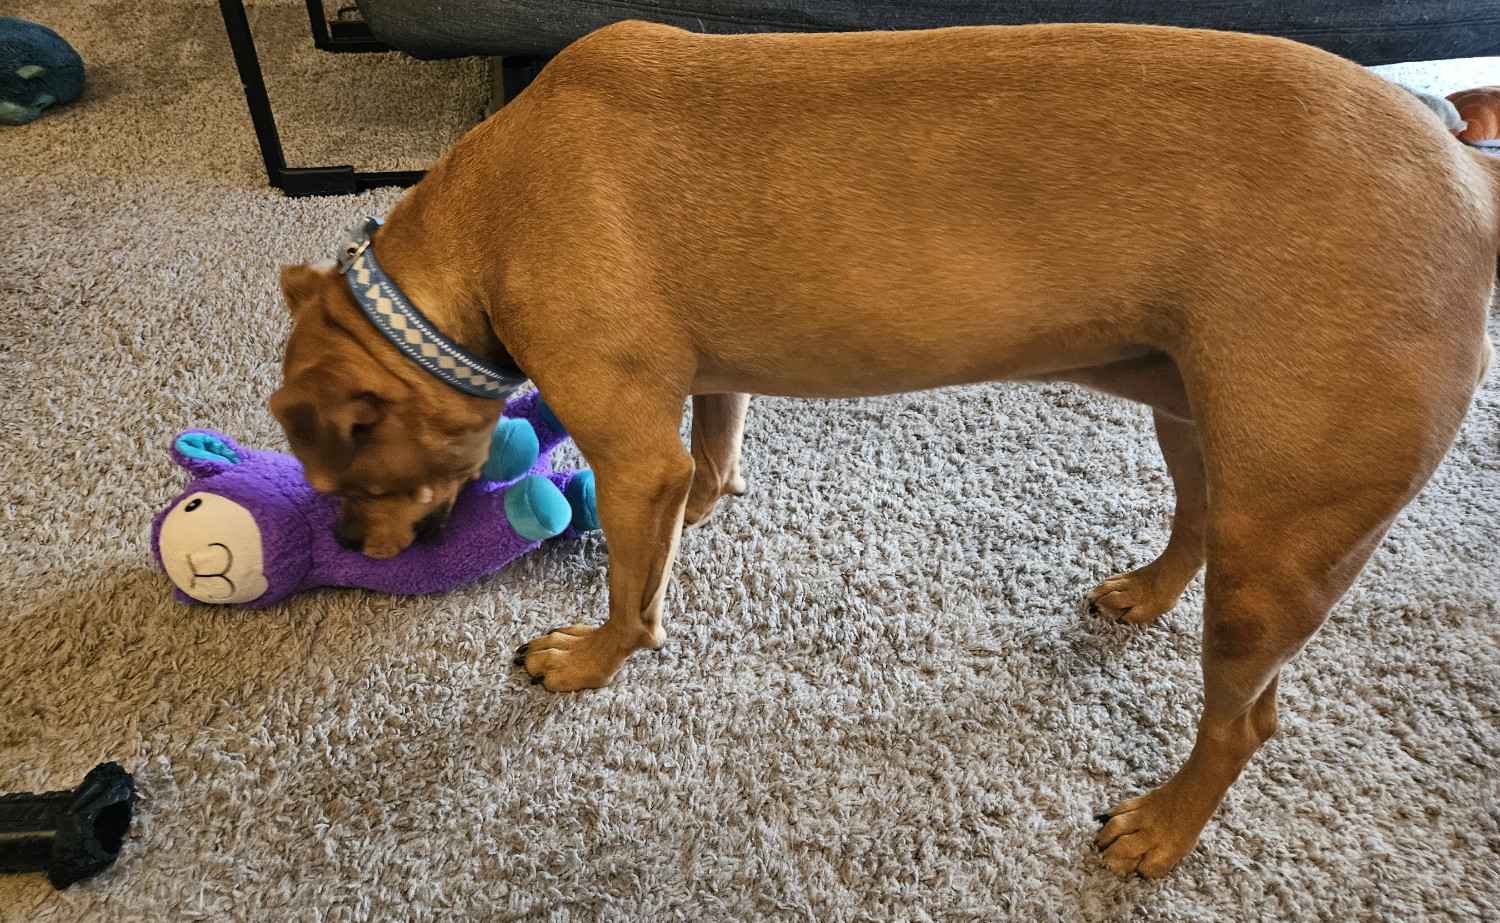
(881, 698)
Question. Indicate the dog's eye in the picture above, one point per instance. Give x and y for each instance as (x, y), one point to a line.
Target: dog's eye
(194, 505)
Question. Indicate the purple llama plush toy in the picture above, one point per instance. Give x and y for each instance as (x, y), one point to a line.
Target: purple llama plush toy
(250, 531)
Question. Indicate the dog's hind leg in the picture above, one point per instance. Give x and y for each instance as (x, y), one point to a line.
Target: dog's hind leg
(1145, 593)
(1268, 589)
(718, 430)
(1306, 469)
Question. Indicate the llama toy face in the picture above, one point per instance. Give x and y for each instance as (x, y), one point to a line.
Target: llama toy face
(239, 533)
(211, 548)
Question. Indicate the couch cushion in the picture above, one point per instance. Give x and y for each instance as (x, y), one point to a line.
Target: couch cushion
(1368, 31)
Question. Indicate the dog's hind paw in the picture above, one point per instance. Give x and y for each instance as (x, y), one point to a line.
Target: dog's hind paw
(704, 500)
(1141, 596)
(1142, 836)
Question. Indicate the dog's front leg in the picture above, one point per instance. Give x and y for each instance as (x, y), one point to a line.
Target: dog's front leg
(642, 474)
(1148, 834)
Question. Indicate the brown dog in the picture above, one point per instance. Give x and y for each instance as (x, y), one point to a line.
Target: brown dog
(1287, 257)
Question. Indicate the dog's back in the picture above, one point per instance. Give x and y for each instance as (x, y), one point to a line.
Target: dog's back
(976, 178)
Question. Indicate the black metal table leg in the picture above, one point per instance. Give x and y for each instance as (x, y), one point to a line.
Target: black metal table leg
(294, 181)
(341, 35)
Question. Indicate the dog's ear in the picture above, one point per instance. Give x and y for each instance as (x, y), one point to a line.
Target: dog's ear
(299, 285)
(353, 419)
(298, 419)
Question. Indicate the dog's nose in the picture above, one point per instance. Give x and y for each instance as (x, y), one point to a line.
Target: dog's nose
(346, 541)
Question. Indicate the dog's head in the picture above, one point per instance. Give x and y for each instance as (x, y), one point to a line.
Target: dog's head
(395, 444)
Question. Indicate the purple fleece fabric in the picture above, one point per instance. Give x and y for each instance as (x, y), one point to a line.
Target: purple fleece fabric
(296, 522)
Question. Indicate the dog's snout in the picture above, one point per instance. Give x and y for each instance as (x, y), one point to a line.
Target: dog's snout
(430, 527)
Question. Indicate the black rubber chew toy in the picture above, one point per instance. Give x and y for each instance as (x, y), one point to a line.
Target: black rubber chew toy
(68, 835)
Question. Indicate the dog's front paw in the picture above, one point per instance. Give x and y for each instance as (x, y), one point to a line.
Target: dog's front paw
(1148, 834)
(1140, 596)
(575, 657)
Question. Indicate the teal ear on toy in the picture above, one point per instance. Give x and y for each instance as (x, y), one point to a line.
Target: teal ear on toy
(204, 452)
(206, 447)
(513, 450)
(537, 510)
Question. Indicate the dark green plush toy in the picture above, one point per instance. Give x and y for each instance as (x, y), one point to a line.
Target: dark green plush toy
(37, 69)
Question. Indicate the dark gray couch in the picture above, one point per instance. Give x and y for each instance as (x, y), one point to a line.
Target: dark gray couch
(525, 33)
(1367, 31)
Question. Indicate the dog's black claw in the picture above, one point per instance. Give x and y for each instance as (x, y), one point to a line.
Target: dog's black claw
(519, 661)
(537, 679)
(1093, 608)
(658, 647)
(1101, 818)
(522, 648)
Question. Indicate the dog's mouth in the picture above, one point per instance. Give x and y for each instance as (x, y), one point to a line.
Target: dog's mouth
(426, 531)
(429, 529)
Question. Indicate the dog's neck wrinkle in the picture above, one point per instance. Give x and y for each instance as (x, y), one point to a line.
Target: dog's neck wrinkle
(363, 334)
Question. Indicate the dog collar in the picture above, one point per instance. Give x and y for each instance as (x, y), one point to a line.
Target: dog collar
(409, 330)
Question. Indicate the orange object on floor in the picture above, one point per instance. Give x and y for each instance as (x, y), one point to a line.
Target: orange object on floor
(1480, 107)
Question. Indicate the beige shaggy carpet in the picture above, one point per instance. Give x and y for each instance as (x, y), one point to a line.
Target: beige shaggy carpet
(881, 699)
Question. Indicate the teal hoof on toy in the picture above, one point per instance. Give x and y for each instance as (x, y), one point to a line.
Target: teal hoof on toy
(537, 510)
(550, 418)
(513, 451)
(580, 494)
(37, 69)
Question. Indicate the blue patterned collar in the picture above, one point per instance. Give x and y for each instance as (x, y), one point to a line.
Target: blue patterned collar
(409, 330)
